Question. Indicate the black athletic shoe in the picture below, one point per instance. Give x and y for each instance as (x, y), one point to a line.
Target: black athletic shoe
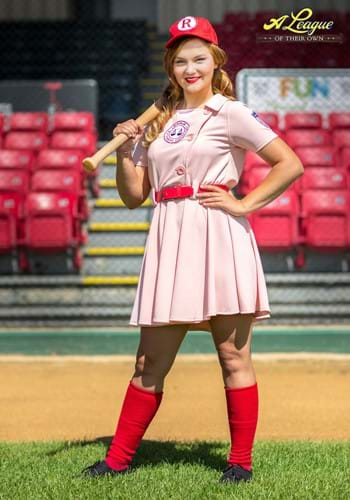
(100, 468)
(235, 473)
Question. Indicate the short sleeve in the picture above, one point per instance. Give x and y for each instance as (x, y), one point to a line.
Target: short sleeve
(140, 154)
(246, 129)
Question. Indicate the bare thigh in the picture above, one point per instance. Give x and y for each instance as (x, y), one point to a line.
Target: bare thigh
(156, 354)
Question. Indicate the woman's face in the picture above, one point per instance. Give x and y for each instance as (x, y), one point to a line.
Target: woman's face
(194, 66)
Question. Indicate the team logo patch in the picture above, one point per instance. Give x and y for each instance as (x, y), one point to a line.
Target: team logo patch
(260, 120)
(177, 131)
(186, 23)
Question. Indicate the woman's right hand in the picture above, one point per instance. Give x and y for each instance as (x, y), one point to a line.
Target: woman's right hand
(130, 128)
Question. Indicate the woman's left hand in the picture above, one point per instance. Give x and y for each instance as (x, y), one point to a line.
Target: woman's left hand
(218, 198)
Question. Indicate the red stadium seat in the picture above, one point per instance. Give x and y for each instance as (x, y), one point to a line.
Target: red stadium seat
(339, 119)
(74, 120)
(325, 218)
(16, 159)
(11, 210)
(29, 141)
(82, 141)
(341, 138)
(272, 119)
(29, 121)
(317, 155)
(59, 158)
(317, 137)
(51, 228)
(302, 120)
(14, 181)
(50, 221)
(68, 181)
(2, 123)
(276, 225)
(324, 178)
(345, 157)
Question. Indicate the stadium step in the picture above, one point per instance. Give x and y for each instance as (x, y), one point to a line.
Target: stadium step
(296, 299)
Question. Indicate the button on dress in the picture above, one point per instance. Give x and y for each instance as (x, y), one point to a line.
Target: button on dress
(200, 261)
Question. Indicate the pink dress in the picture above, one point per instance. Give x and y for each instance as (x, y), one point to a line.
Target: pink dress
(199, 261)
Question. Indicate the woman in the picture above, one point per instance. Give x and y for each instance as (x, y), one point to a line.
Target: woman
(201, 268)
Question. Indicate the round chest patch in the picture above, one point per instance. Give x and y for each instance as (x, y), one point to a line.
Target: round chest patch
(177, 131)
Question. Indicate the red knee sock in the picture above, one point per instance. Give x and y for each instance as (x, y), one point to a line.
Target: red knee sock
(137, 412)
(242, 410)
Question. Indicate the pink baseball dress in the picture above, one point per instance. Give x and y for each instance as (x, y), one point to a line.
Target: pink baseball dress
(200, 261)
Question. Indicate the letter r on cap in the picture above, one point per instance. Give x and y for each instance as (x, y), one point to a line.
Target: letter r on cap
(186, 23)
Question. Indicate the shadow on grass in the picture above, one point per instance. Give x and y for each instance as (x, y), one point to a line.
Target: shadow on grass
(207, 453)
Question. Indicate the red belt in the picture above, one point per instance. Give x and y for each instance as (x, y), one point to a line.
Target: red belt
(181, 192)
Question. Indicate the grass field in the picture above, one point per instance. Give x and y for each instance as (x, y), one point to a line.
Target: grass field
(176, 470)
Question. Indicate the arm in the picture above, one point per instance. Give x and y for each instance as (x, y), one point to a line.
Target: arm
(286, 168)
(132, 181)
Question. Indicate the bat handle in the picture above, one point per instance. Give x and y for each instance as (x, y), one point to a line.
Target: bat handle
(91, 163)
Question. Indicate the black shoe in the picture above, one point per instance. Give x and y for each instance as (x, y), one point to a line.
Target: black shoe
(100, 468)
(235, 473)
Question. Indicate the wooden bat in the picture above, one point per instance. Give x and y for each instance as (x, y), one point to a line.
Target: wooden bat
(91, 163)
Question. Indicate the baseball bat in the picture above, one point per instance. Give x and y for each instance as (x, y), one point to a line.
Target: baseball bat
(91, 163)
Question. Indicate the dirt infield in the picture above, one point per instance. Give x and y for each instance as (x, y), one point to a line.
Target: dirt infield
(65, 398)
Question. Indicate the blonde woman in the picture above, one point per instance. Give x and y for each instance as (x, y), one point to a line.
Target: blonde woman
(201, 268)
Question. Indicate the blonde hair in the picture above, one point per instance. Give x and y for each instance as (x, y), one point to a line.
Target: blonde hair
(173, 93)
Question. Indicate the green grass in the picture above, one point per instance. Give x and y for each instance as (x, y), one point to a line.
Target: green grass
(175, 470)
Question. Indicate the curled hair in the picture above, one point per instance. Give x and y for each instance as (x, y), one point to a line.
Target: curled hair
(173, 93)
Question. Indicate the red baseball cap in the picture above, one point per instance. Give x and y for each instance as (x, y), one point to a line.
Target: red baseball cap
(192, 26)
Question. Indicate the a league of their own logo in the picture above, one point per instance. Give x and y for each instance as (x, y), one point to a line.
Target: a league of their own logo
(260, 120)
(186, 23)
(177, 131)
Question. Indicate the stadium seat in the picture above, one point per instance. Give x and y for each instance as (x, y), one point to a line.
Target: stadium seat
(317, 155)
(74, 120)
(341, 138)
(14, 181)
(85, 143)
(2, 123)
(276, 225)
(325, 218)
(50, 228)
(11, 210)
(29, 121)
(62, 180)
(339, 120)
(302, 120)
(344, 160)
(16, 159)
(81, 141)
(59, 158)
(303, 137)
(11, 230)
(29, 141)
(324, 178)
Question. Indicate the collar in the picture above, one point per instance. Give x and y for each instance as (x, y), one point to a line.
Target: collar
(216, 102)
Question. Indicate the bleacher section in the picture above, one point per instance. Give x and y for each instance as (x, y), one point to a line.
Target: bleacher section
(44, 191)
(309, 224)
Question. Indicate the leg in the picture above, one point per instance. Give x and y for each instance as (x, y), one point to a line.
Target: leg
(155, 356)
(232, 337)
